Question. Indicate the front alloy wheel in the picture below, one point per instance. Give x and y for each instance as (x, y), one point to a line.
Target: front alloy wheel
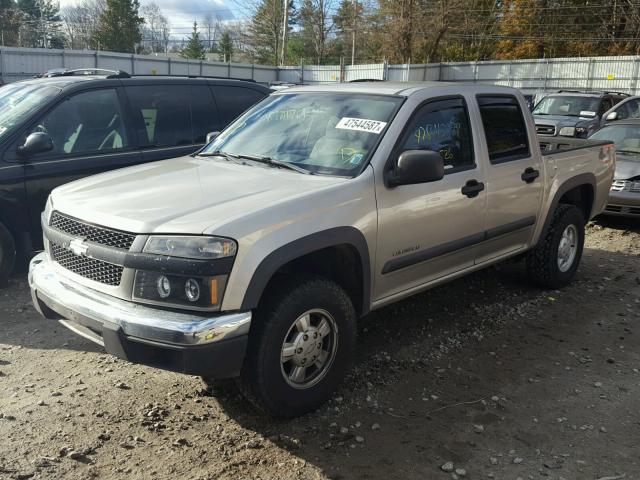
(300, 346)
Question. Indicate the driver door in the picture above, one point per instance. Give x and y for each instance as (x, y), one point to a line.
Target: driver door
(90, 134)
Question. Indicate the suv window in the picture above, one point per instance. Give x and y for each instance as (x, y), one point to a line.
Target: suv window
(161, 114)
(232, 101)
(630, 109)
(86, 122)
(504, 128)
(606, 104)
(442, 126)
(203, 113)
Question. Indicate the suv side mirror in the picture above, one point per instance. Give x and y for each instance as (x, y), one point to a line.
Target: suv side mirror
(612, 116)
(211, 136)
(417, 166)
(36, 142)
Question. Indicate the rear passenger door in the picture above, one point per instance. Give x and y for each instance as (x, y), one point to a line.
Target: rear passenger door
(514, 176)
(162, 118)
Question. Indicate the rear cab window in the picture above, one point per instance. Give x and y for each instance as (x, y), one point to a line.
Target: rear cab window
(442, 126)
(504, 128)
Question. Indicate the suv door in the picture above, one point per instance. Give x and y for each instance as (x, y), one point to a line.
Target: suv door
(514, 173)
(430, 230)
(90, 134)
(162, 119)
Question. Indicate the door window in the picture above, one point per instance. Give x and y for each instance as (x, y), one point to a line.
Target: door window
(442, 126)
(232, 101)
(86, 122)
(504, 128)
(630, 109)
(162, 114)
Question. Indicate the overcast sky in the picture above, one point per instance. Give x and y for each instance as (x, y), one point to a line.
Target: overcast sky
(182, 13)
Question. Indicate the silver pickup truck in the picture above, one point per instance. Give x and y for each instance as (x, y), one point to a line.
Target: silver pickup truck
(254, 257)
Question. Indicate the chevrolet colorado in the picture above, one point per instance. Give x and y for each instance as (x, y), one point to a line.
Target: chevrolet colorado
(254, 257)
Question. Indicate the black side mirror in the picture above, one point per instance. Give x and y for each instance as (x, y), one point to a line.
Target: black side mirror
(416, 166)
(211, 136)
(36, 142)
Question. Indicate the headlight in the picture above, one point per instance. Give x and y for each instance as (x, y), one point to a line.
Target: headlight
(179, 290)
(568, 131)
(191, 247)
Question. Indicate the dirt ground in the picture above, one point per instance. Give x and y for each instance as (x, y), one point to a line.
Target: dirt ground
(486, 377)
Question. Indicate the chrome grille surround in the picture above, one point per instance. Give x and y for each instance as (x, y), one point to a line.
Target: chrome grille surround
(92, 233)
(96, 270)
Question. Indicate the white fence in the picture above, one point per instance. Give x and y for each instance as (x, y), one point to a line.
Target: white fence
(594, 73)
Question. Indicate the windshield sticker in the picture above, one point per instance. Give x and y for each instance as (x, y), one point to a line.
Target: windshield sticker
(361, 125)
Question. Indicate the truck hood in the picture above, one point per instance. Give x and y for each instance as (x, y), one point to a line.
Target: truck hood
(627, 167)
(182, 195)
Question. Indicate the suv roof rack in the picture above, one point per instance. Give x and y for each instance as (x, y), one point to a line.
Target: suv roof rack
(193, 76)
(97, 71)
(622, 94)
(594, 92)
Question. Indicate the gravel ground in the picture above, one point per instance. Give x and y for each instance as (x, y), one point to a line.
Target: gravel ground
(486, 377)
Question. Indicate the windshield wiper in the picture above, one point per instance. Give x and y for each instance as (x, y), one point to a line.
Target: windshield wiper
(276, 163)
(219, 153)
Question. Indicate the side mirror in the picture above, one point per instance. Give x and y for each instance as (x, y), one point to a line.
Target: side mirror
(612, 116)
(417, 166)
(211, 136)
(36, 142)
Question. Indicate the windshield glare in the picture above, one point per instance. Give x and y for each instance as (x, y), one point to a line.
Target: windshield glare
(566, 105)
(325, 133)
(625, 137)
(18, 100)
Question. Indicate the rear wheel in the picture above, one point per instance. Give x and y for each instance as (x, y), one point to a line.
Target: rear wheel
(554, 261)
(300, 348)
(7, 254)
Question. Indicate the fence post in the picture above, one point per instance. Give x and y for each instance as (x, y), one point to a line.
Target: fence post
(475, 72)
(200, 67)
(2, 65)
(440, 71)
(96, 59)
(169, 64)
(590, 74)
(634, 76)
(509, 79)
(133, 64)
(63, 59)
(228, 69)
(253, 71)
(302, 71)
(385, 70)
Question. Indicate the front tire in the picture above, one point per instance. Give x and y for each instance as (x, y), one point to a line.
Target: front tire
(554, 261)
(300, 347)
(7, 254)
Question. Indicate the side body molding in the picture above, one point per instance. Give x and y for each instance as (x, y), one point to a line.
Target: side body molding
(311, 243)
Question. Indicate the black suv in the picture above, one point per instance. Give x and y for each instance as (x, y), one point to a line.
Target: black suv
(55, 130)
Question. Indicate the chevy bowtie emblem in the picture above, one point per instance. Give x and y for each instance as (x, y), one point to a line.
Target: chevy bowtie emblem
(78, 247)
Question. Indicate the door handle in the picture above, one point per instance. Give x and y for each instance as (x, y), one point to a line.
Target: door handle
(529, 175)
(472, 188)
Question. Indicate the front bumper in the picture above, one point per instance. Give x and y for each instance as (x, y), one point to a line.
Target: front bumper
(206, 345)
(623, 204)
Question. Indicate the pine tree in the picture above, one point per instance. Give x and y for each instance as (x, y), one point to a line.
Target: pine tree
(119, 29)
(225, 49)
(194, 48)
(41, 24)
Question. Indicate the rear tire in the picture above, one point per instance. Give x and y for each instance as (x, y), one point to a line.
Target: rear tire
(300, 347)
(7, 254)
(554, 261)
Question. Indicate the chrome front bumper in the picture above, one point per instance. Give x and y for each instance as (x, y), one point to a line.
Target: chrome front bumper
(126, 329)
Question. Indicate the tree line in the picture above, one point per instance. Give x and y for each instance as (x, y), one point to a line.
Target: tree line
(288, 32)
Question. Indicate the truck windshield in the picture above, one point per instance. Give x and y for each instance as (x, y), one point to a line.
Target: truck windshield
(567, 105)
(324, 133)
(625, 137)
(18, 100)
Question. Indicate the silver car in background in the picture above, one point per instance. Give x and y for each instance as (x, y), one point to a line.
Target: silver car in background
(624, 198)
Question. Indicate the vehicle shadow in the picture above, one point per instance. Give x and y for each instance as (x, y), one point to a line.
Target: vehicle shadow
(618, 223)
(428, 368)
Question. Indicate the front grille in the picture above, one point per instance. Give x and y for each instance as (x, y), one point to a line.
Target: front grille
(90, 268)
(91, 233)
(624, 210)
(545, 129)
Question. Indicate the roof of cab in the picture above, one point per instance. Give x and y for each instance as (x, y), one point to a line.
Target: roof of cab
(404, 89)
